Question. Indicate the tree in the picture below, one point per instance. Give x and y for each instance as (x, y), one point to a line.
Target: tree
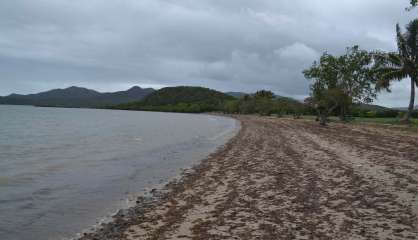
(414, 3)
(264, 94)
(355, 80)
(324, 75)
(403, 64)
(340, 81)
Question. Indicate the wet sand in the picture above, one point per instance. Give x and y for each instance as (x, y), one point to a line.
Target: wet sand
(288, 179)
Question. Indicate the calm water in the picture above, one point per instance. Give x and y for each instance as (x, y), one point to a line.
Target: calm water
(62, 170)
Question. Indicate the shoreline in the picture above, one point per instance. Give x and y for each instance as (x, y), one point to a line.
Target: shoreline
(89, 165)
(111, 227)
(282, 178)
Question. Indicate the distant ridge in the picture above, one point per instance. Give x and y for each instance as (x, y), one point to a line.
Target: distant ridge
(77, 97)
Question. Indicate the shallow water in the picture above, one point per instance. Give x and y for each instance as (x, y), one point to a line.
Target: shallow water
(62, 170)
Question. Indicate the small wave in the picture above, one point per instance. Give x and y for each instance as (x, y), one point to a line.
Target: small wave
(226, 133)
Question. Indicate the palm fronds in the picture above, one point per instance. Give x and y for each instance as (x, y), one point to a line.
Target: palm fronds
(390, 67)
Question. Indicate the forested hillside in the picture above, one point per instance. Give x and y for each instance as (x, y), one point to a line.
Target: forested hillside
(181, 99)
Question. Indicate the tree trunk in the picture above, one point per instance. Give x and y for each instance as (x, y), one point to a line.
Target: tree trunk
(343, 114)
(411, 106)
(322, 119)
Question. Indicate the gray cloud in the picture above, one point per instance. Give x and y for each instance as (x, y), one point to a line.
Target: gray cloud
(229, 45)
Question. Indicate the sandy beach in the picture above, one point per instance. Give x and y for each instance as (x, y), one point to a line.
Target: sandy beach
(288, 179)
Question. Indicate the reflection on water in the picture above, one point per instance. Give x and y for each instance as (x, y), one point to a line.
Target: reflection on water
(63, 169)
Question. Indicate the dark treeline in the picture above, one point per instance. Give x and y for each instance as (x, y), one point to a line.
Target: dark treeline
(197, 100)
(181, 99)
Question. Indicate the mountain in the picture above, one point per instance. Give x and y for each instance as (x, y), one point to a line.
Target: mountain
(181, 99)
(77, 97)
(371, 107)
(236, 94)
(115, 98)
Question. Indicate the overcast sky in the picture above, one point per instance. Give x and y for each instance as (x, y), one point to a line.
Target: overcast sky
(229, 45)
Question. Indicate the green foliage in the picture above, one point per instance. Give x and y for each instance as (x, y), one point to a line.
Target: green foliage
(265, 103)
(339, 81)
(182, 94)
(232, 106)
(389, 67)
(392, 121)
(265, 106)
(264, 94)
(401, 115)
(197, 100)
(413, 3)
(363, 110)
(181, 99)
(375, 114)
(371, 114)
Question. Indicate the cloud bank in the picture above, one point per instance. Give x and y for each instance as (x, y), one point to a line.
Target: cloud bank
(228, 45)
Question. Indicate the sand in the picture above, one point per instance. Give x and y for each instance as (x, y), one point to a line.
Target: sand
(288, 179)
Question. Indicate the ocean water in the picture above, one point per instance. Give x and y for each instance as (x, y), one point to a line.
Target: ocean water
(62, 170)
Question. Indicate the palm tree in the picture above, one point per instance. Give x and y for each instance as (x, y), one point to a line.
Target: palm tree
(401, 65)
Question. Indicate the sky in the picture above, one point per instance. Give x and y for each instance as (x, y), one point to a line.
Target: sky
(228, 45)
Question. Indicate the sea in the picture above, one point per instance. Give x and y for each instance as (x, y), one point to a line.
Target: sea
(64, 170)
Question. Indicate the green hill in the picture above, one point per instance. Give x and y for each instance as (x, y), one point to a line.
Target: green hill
(370, 110)
(370, 107)
(181, 99)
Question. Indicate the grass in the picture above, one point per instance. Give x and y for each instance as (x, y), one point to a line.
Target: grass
(383, 122)
(392, 121)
